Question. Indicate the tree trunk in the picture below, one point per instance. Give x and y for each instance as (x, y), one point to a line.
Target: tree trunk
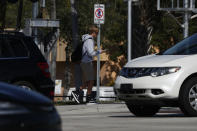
(142, 31)
(20, 13)
(74, 45)
(147, 13)
(67, 72)
(54, 50)
(74, 16)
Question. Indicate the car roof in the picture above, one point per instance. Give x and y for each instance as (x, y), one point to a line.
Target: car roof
(12, 33)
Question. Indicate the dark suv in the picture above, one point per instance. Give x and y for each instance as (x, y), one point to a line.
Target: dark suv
(22, 63)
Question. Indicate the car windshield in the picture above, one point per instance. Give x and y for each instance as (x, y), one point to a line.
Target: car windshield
(187, 46)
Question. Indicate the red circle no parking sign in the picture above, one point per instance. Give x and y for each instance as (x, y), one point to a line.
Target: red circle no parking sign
(99, 10)
(99, 13)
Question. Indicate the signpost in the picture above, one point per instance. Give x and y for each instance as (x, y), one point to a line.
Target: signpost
(99, 18)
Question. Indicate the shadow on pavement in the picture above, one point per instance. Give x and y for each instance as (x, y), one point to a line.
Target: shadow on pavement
(164, 115)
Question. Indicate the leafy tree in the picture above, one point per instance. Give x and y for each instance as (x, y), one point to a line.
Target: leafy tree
(150, 27)
(8, 13)
(113, 32)
(3, 5)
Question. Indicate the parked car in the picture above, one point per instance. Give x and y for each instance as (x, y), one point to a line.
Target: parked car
(26, 110)
(165, 79)
(23, 64)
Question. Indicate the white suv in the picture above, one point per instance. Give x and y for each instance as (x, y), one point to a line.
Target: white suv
(165, 79)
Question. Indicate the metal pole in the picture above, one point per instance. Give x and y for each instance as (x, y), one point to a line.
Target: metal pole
(98, 63)
(129, 29)
(178, 4)
(43, 3)
(34, 16)
(186, 20)
(192, 4)
(158, 4)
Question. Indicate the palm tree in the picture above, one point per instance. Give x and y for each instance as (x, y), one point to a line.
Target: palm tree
(74, 15)
(144, 16)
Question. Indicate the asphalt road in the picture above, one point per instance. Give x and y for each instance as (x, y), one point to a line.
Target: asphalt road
(116, 117)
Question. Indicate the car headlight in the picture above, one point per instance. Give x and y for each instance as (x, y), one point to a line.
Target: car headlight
(123, 72)
(141, 72)
(164, 71)
(8, 108)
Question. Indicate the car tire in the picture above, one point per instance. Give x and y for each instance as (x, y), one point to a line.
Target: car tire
(188, 97)
(25, 85)
(143, 110)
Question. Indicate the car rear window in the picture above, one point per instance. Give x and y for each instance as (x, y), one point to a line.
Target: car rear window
(12, 47)
(5, 50)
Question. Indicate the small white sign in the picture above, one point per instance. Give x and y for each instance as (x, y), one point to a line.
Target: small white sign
(99, 14)
(58, 86)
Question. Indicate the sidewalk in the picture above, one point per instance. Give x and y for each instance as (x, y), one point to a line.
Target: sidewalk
(104, 108)
(95, 108)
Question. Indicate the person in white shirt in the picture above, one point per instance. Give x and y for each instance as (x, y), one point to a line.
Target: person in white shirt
(88, 52)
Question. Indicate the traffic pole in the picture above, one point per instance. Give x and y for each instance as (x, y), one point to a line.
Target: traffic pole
(99, 19)
(98, 64)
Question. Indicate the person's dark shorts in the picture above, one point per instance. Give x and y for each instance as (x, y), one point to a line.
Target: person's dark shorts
(87, 71)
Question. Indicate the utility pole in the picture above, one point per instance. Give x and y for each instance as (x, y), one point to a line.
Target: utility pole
(42, 12)
(186, 19)
(34, 16)
(43, 3)
(129, 30)
(54, 50)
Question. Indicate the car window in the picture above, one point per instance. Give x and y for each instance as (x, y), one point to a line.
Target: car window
(18, 47)
(5, 50)
(187, 46)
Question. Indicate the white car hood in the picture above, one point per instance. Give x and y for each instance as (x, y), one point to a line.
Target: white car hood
(156, 61)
